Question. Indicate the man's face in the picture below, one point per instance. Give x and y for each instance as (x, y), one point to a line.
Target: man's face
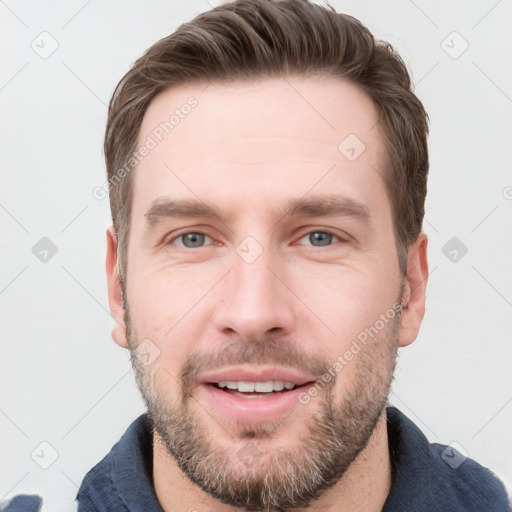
(261, 248)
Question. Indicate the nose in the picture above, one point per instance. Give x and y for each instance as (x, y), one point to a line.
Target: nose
(255, 302)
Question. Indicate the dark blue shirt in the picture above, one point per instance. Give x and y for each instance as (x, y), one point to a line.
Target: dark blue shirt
(426, 477)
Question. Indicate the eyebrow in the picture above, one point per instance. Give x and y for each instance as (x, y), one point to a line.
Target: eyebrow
(164, 208)
(314, 206)
(330, 205)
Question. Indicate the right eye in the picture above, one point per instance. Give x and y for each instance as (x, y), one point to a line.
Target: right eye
(191, 240)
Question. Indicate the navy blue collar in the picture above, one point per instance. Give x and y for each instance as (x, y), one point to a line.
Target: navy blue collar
(430, 477)
(424, 480)
(123, 480)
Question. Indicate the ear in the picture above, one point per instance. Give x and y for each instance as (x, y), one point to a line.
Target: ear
(115, 297)
(413, 300)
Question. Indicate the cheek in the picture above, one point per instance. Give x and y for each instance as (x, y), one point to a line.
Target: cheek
(352, 305)
(346, 301)
(159, 359)
(162, 300)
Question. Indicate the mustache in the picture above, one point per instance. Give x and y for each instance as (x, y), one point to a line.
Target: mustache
(269, 351)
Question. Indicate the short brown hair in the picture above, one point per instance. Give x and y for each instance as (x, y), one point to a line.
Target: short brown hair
(252, 39)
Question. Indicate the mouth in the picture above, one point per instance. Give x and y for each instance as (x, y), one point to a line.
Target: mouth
(253, 393)
(262, 389)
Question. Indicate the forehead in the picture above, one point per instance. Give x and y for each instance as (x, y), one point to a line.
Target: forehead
(274, 138)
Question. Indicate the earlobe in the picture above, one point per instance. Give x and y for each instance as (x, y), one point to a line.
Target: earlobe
(413, 299)
(115, 296)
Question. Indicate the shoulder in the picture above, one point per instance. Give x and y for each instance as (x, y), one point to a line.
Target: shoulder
(121, 481)
(22, 502)
(435, 476)
(38, 503)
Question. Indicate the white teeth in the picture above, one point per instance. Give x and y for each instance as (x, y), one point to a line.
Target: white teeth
(278, 385)
(264, 387)
(260, 387)
(246, 387)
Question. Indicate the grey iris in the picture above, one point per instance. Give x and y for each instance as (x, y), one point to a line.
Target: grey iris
(319, 238)
(193, 239)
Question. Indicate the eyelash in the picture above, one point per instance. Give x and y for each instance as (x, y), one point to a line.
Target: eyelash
(323, 231)
(335, 238)
(171, 241)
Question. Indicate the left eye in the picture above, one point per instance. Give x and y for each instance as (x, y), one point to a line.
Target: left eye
(191, 240)
(320, 238)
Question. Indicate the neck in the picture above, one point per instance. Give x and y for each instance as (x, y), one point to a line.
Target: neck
(364, 486)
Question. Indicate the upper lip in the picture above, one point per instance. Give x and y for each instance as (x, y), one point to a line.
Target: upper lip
(256, 373)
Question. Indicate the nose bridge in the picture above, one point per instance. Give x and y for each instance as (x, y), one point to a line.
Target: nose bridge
(253, 279)
(255, 301)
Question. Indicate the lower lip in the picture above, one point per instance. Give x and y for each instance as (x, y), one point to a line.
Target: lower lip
(240, 408)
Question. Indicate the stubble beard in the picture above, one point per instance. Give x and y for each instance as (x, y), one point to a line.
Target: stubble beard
(274, 480)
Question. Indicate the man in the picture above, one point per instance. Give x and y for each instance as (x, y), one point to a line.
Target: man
(267, 166)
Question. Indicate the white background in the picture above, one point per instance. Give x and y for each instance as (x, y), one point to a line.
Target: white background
(62, 378)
